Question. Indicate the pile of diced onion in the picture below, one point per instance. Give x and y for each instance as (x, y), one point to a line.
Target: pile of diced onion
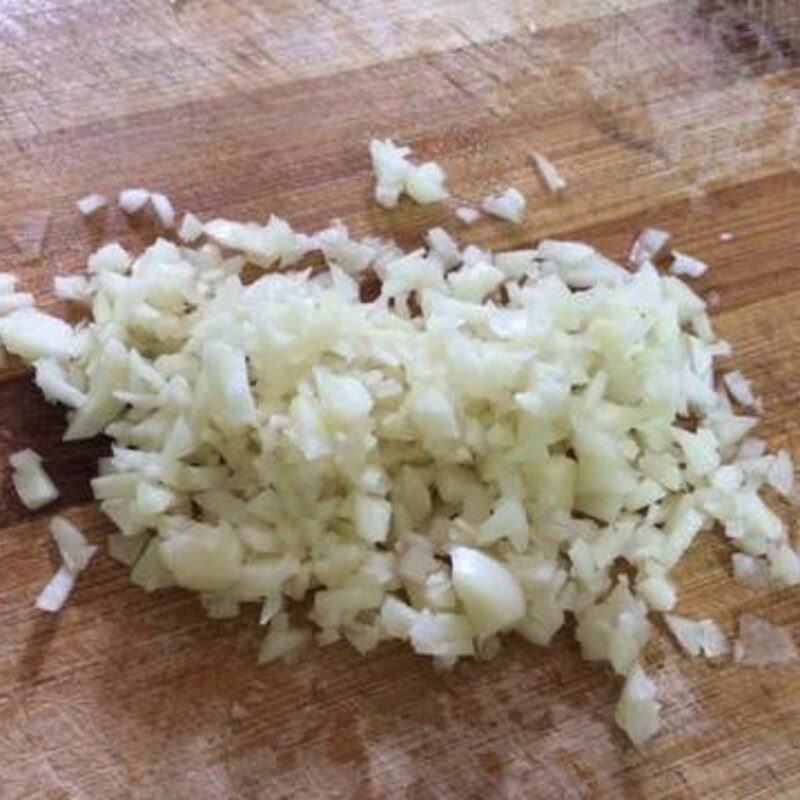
(439, 446)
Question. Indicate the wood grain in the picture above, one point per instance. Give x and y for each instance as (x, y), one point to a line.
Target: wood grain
(679, 114)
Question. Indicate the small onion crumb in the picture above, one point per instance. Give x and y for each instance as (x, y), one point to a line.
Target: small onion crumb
(510, 205)
(91, 203)
(163, 207)
(687, 265)
(550, 176)
(75, 553)
(133, 200)
(32, 484)
(467, 215)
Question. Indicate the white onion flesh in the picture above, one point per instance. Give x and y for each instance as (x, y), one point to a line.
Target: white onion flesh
(551, 177)
(510, 205)
(75, 553)
(91, 203)
(33, 485)
(133, 200)
(471, 452)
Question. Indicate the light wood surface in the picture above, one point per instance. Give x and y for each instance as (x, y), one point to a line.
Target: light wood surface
(683, 115)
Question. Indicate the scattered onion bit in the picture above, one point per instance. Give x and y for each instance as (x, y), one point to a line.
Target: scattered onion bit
(76, 553)
(91, 202)
(647, 246)
(550, 176)
(687, 265)
(133, 200)
(638, 710)
(32, 484)
(510, 205)
(191, 228)
(698, 637)
(467, 215)
(395, 175)
(740, 389)
(165, 212)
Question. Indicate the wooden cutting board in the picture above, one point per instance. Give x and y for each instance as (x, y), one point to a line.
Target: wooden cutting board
(683, 115)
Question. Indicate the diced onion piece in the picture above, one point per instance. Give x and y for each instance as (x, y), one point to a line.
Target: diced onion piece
(442, 244)
(164, 209)
(687, 265)
(91, 202)
(32, 334)
(510, 205)
(110, 258)
(191, 228)
(55, 594)
(76, 553)
(698, 637)
(32, 484)
(551, 177)
(638, 710)
(467, 215)
(491, 596)
(372, 516)
(72, 287)
(55, 385)
(133, 200)
(425, 184)
(760, 643)
(740, 389)
(647, 246)
(395, 174)
(442, 634)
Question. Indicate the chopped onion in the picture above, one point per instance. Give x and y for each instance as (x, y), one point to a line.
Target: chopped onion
(76, 553)
(191, 228)
(473, 450)
(467, 215)
(133, 200)
(550, 176)
(91, 202)
(686, 265)
(31, 334)
(638, 710)
(491, 596)
(740, 389)
(647, 246)
(510, 205)
(54, 595)
(72, 287)
(395, 174)
(31, 483)
(698, 637)
(165, 212)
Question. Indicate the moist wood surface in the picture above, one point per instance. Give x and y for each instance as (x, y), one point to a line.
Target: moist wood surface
(682, 115)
